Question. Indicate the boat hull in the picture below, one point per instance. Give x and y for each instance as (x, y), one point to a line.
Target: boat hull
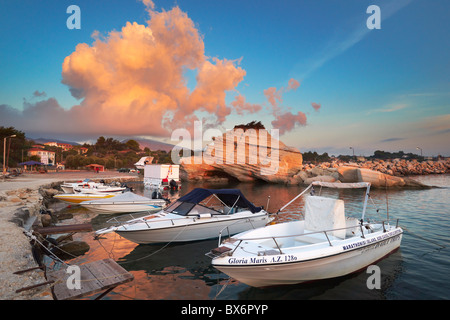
(292, 268)
(124, 208)
(185, 230)
(80, 197)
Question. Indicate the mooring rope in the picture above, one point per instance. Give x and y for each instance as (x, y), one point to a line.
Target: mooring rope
(223, 288)
(414, 234)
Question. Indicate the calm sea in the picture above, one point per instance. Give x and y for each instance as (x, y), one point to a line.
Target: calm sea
(419, 270)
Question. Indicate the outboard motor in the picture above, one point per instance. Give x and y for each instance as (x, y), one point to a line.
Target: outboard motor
(127, 187)
(173, 185)
(156, 195)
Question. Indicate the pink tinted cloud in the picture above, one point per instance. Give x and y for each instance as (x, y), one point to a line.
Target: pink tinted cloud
(132, 81)
(287, 121)
(316, 106)
(273, 96)
(137, 74)
(241, 106)
(293, 84)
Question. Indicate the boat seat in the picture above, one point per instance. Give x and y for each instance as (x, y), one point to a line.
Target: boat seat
(282, 242)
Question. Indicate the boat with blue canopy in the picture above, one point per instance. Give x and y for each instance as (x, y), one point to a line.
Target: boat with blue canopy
(201, 214)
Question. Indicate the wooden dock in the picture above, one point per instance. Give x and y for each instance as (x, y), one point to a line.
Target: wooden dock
(71, 228)
(103, 275)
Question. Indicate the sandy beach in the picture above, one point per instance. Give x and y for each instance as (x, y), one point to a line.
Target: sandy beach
(19, 193)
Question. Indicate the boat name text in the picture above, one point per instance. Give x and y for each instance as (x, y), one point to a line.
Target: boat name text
(372, 240)
(267, 259)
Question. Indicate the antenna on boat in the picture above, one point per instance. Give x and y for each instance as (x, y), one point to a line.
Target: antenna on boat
(387, 200)
(365, 202)
(267, 206)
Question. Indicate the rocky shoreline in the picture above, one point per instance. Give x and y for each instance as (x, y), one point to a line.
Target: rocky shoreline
(23, 200)
(380, 173)
(395, 167)
(248, 154)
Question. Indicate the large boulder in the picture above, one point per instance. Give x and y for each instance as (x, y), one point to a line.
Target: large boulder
(245, 154)
(376, 178)
(348, 174)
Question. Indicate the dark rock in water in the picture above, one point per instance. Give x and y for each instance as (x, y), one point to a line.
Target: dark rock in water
(20, 216)
(71, 249)
(64, 238)
(64, 215)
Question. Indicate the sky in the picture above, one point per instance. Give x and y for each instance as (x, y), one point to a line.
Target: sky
(313, 70)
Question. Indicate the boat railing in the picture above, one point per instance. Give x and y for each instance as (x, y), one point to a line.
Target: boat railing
(227, 228)
(144, 220)
(361, 226)
(117, 222)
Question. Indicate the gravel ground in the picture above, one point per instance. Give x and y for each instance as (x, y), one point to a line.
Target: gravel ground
(15, 250)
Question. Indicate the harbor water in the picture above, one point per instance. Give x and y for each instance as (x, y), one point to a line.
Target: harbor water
(417, 271)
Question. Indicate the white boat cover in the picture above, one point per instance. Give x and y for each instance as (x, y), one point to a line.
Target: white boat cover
(341, 185)
(143, 161)
(323, 214)
(123, 197)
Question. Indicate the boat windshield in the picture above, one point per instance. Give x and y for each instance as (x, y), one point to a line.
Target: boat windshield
(180, 208)
(192, 209)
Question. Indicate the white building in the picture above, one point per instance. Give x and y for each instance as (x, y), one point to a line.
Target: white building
(46, 157)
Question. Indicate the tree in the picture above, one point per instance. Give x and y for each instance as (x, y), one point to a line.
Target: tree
(315, 157)
(133, 145)
(15, 147)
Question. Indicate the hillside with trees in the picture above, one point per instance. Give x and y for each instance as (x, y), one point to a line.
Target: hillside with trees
(112, 153)
(108, 152)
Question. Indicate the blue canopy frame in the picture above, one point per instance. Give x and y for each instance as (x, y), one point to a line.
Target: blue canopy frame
(229, 197)
(30, 163)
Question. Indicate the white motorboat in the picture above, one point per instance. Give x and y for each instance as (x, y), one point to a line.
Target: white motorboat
(67, 187)
(326, 244)
(194, 217)
(88, 186)
(97, 189)
(125, 202)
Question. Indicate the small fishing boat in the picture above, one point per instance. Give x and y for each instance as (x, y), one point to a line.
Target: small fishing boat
(67, 187)
(124, 203)
(76, 198)
(88, 186)
(326, 244)
(100, 189)
(198, 215)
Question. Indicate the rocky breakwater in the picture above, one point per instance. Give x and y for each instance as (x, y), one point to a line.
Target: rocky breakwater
(22, 211)
(247, 153)
(380, 173)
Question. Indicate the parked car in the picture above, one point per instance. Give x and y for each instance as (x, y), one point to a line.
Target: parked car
(124, 170)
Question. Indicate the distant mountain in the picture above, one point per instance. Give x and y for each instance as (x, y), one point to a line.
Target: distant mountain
(44, 140)
(153, 145)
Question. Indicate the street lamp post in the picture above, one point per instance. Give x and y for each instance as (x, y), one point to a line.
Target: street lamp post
(4, 152)
(418, 148)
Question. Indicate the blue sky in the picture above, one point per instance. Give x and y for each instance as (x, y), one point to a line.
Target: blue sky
(385, 89)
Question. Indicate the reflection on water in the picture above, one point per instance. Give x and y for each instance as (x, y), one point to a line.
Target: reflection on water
(418, 270)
